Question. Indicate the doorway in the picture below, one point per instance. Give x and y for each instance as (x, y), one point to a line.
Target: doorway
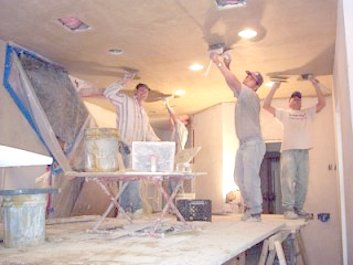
(270, 179)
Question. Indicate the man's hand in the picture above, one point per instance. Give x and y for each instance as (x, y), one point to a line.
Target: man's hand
(166, 102)
(276, 85)
(227, 59)
(130, 75)
(314, 81)
(214, 57)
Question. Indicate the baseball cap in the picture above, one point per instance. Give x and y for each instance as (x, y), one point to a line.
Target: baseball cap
(257, 76)
(296, 94)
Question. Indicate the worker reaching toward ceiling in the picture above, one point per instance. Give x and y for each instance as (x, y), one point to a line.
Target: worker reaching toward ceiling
(247, 126)
(295, 147)
(179, 130)
(179, 135)
(133, 125)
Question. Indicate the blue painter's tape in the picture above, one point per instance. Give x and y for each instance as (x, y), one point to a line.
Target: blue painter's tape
(6, 83)
(15, 97)
(323, 217)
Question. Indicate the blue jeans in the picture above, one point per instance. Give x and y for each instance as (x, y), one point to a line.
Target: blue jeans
(294, 178)
(246, 173)
(130, 198)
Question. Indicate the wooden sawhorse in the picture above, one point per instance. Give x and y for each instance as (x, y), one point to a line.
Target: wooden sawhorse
(273, 246)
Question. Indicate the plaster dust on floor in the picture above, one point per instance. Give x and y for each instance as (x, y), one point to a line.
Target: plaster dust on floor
(69, 241)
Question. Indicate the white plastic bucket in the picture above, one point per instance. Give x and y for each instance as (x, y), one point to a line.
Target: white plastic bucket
(24, 219)
(101, 149)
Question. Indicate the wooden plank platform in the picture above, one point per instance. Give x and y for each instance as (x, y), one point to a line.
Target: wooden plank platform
(69, 242)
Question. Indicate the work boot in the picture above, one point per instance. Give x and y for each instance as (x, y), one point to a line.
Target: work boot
(254, 218)
(248, 217)
(290, 215)
(303, 214)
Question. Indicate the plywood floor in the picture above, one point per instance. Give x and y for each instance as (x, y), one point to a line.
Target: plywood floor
(69, 242)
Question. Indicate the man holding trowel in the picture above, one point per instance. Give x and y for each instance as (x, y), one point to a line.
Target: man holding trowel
(247, 126)
(295, 148)
(133, 125)
(179, 130)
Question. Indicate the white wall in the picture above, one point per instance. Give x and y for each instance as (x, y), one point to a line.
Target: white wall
(104, 118)
(343, 103)
(207, 127)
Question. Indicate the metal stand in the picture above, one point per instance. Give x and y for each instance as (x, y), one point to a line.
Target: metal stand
(103, 178)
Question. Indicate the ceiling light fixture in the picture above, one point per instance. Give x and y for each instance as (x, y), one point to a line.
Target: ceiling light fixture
(269, 84)
(225, 4)
(247, 34)
(115, 51)
(196, 67)
(73, 24)
(179, 92)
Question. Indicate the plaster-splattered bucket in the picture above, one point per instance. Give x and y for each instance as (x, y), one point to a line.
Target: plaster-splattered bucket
(101, 148)
(24, 219)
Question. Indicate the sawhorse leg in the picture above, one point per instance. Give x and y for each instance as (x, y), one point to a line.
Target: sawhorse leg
(170, 200)
(113, 203)
(272, 247)
(299, 245)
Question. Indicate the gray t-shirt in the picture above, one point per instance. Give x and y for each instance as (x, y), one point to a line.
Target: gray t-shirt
(247, 114)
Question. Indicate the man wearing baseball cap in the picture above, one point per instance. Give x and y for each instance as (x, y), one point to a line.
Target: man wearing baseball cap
(247, 126)
(295, 148)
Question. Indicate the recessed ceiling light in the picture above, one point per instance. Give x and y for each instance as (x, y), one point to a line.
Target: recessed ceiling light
(223, 4)
(269, 84)
(247, 34)
(196, 67)
(115, 51)
(73, 24)
(179, 92)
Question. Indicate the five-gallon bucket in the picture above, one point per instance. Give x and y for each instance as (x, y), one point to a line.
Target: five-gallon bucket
(24, 219)
(101, 149)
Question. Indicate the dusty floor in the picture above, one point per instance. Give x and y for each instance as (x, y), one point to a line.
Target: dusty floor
(68, 241)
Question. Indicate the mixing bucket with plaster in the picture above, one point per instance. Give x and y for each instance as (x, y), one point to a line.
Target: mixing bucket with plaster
(24, 216)
(101, 148)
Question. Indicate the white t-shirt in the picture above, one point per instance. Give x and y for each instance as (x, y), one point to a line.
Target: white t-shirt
(181, 135)
(296, 127)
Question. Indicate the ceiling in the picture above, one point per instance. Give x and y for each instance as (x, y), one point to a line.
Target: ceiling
(161, 38)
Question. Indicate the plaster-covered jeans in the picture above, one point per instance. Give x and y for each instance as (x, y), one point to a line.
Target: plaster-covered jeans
(246, 173)
(130, 198)
(294, 178)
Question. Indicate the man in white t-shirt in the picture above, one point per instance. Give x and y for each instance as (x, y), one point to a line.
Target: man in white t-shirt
(251, 145)
(295, 148)
(179, 130)
(179, 135)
